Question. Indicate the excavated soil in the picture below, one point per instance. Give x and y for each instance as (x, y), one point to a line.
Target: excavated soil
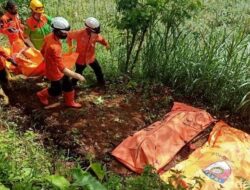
(106, 118)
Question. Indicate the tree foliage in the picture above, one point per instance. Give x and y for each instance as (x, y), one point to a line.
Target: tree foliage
(137, 17)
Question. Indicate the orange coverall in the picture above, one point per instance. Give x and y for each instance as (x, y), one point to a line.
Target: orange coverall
(3, 57)
(10, 21)
(85, 45)
(52, 53)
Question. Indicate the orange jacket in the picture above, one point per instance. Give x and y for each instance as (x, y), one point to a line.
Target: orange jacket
(12, 21)
(85, 45)
(37, 30)
(52, 53)
(3, 57)
(34, 24)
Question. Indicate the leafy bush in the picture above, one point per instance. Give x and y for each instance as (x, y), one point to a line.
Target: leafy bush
(23, 161)
(149, 180)
(25, 165)
(139, 18)
(204, 59)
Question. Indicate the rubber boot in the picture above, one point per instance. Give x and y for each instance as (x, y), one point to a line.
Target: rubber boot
(43, 96)
(69, 99)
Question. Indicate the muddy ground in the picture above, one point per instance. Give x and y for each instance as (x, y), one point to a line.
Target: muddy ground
(107, 117)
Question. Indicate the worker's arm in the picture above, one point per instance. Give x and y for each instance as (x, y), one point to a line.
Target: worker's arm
(57, 52)
(7, 28)
(69, 39)
(27, 36)
(49, 18)
(73, 74)
(102, 41)
(73, 35)
(28, 42)
(13, 62)
(43, 49)
(7, 57)
(70, 45)
(3, 26)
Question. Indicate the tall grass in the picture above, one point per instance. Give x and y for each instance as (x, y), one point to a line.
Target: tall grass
(206, 58)
(213, 67)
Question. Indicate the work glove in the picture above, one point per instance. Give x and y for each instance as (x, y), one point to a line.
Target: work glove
(13, 62)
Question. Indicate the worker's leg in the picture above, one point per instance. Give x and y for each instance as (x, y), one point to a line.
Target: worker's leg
(55, 89)
(98, 72)
(69, 93)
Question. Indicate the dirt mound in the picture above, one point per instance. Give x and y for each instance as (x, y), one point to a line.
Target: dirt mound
(106, 118)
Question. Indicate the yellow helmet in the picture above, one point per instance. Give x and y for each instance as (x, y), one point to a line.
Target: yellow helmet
(36, 6)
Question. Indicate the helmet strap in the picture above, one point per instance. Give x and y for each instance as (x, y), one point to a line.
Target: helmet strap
(60, 34)
(91, 30)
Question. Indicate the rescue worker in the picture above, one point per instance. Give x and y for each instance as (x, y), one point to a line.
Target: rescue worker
(86, 39)
(12, 26)
(55, 71)
(37, 25)
(4, 82)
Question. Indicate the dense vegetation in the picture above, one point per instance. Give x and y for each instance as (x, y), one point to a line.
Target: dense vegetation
(199, 48)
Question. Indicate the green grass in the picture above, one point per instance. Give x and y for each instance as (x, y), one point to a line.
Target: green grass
(23, 160)
(209, 60)
(26, 165)
(213, 69)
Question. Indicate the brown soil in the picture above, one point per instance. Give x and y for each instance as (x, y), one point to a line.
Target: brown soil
(106, 118)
